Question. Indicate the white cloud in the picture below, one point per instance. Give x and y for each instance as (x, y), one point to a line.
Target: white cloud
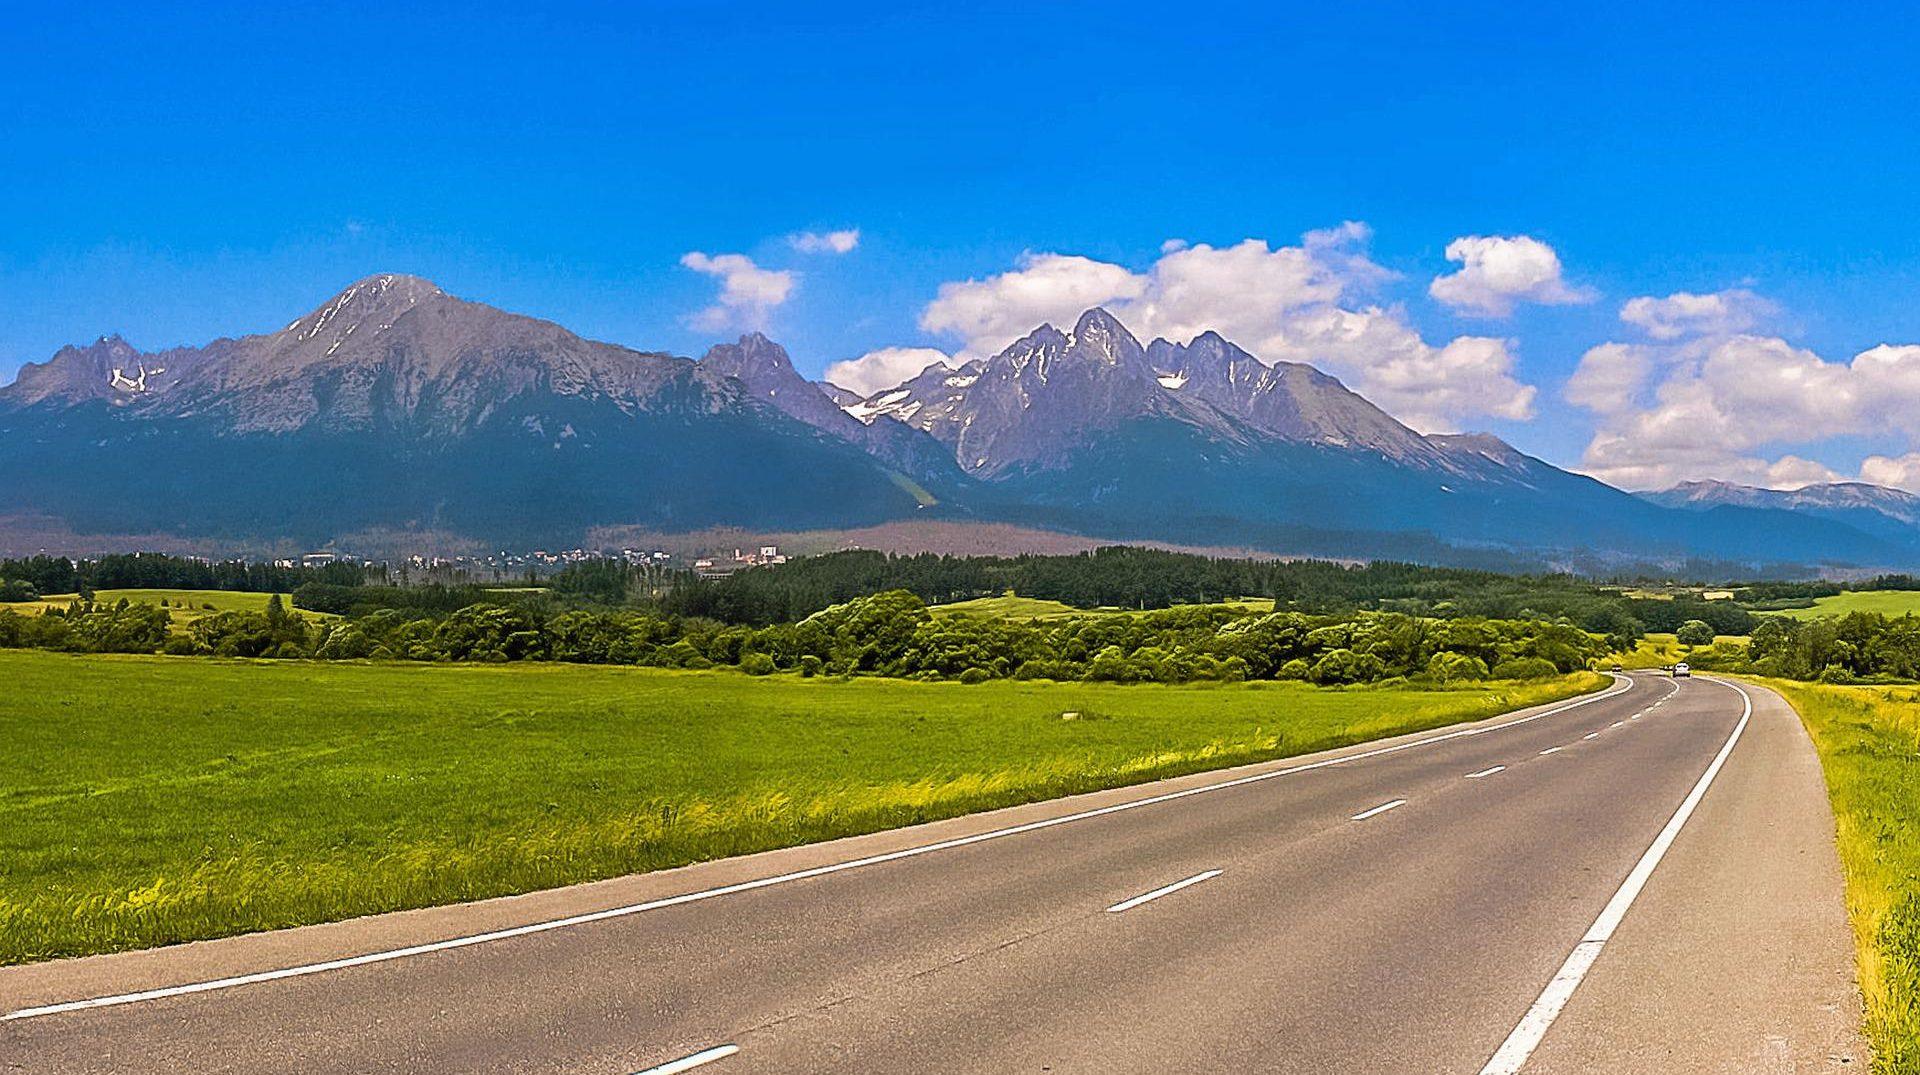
(1722, 404)
(747, 291)
(1685, 313)
(885, 368)
(991, 313)
(1499, 271)
(1609, 377)
(1900, 471)
(832, 242)
(1280, 303)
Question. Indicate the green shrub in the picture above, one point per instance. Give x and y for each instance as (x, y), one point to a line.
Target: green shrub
(757, 664)
(1695, 633)
(1346, 666)
(1525, 668)
(1452, 667)
(975, 675)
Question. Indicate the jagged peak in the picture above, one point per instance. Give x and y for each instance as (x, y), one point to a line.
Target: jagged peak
(1103, 333)
(752, 351)
(382, 295)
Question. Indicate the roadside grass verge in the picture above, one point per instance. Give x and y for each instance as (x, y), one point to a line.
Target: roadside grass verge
(1869, 744)
(153, 800)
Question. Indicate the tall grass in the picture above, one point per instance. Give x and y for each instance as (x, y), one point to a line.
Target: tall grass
(151, 800)
(1869, 744)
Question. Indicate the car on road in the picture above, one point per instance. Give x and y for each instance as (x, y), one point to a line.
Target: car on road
(1616, 666)
(1681, 671)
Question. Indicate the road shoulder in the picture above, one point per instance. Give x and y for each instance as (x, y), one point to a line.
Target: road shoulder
(1738, 957)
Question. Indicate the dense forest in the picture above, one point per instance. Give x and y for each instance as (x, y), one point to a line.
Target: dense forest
(1134, 578)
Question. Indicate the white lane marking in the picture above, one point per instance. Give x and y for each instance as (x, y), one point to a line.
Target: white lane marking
(1551, 750)
(1618, 724)
(1591, 735)
(1623, 684)
(1163, 890)
(1513, 1053)
(1378, 810)
(688, 1063)
(1487, 772)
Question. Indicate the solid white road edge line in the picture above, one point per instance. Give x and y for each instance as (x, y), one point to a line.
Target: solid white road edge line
(1623, 685)
(1381, 809)
(1487, 772)
(688, 1063)
(1513, 1053)
(1164, 890)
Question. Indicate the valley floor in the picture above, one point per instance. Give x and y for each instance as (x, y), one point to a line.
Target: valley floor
(152, 800)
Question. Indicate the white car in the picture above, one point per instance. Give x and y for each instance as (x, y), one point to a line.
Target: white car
(1681, 671)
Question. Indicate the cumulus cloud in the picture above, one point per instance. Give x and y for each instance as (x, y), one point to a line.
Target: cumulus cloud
(885, 368)
(990, 313)
(747, 291)
(1306, 303)
(1497, 272)
(1685, 313)
(1610, 377)
(1898, 471)
(832, 242)
(1722, 403)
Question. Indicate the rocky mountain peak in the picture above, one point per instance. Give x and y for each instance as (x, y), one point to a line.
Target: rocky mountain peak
(377, 300)
(1100, 336)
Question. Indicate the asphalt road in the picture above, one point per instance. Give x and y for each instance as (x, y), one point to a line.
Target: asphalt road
(1642, 882)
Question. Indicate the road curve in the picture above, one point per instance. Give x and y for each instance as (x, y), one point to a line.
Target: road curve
(1638, 881)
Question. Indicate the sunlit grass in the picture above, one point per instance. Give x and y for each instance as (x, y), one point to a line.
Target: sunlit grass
(1869, 744)
(151, 800)
(1885, 602)
(186, 606)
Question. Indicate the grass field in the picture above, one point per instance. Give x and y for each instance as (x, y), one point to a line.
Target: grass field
(186, 605)
(1869, 744)
(1658, 650)
(1885, 602)
(149, 800)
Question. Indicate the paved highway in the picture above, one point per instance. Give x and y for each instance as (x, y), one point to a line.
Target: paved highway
(1641, 881)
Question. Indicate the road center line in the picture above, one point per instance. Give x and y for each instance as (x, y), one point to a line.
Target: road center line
(1487, 772)
(1381, 809)
(688, 1063)
(1551, 750)
(1622, 686)
(1618, 724)
(1591, 735)
(1513, 1053)
(1164, 890)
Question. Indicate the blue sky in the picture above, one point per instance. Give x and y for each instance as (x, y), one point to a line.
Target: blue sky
(176, 174)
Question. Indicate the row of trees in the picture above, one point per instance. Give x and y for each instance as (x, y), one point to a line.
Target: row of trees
(1149, 578)
(888, 634)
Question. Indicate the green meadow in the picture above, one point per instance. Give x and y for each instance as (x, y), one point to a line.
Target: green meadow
(1884, 602)
(1869, 744)
(186, 605)
(152, 800)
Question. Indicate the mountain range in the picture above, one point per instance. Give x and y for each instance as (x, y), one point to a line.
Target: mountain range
(397, 407)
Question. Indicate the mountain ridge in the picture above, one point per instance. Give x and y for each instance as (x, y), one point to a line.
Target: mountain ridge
(396, 405)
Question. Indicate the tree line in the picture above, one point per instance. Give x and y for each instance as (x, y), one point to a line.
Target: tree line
(892, 633)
